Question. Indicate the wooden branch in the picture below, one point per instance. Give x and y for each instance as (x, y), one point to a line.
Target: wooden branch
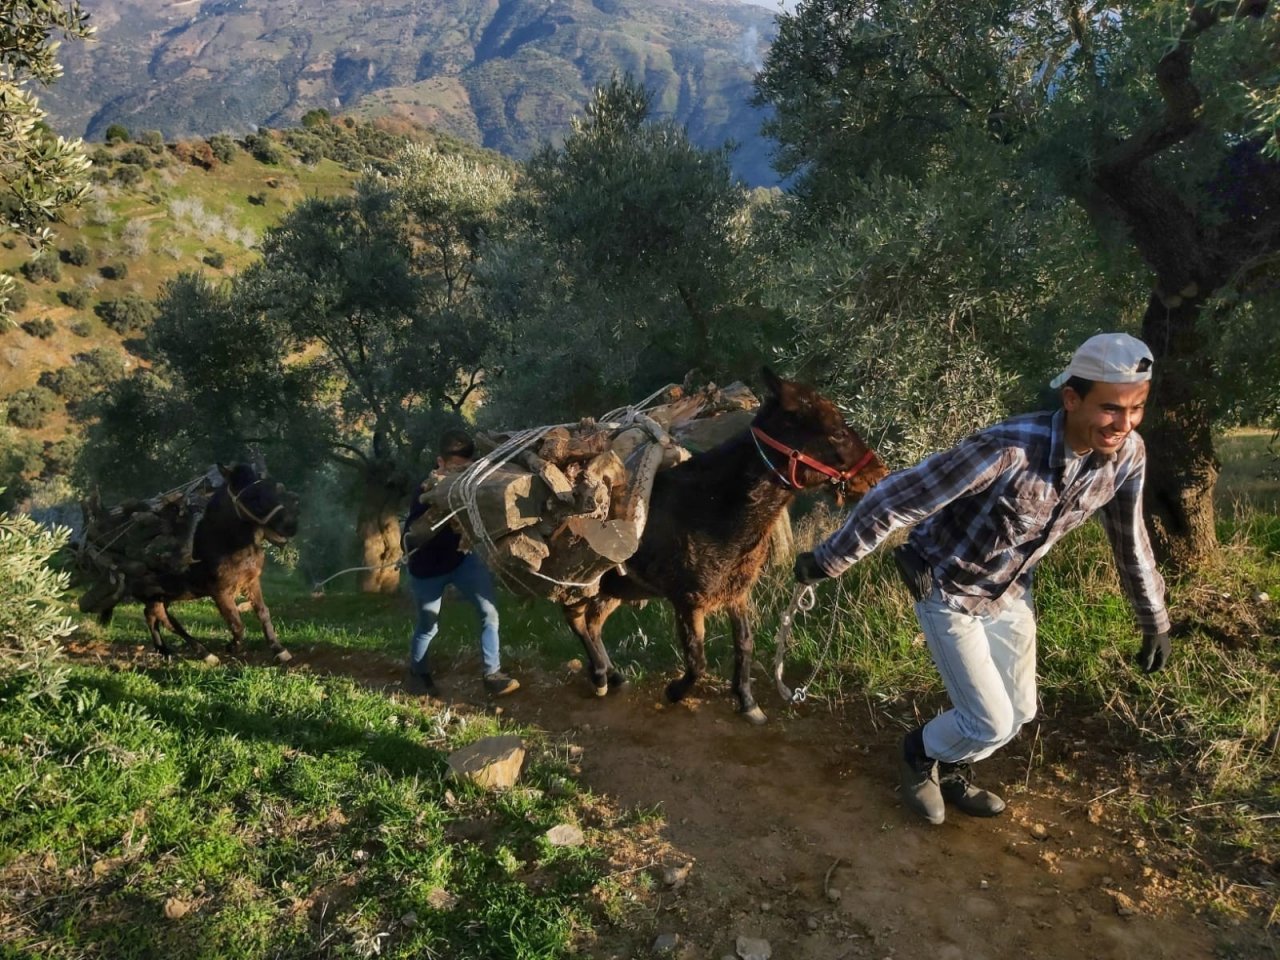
(1181, 96)
(934, 73)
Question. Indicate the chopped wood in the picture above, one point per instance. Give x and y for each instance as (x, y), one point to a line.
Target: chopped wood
(550, 474)
(510, 498)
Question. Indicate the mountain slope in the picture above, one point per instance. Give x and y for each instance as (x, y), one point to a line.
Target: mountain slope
(508, 74)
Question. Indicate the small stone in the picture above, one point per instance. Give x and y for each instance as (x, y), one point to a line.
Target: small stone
(1039, 832)
(983, 885)
(812, 923)
(675, 877)
(833, 894)
(766, 907)
(410, 919)
(565, 835)
(666, 942)
(574, 666)
(1262, 597)
(176, 909)
(441, 899)
(1125, 907)
(360, 856)
(750, 948)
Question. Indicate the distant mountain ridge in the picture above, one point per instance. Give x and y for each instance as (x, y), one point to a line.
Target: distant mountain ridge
(507, 74)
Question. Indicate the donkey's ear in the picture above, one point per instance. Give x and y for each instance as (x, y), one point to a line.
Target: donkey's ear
(783, 390)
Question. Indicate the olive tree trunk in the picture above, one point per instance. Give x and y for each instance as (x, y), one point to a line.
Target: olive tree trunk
(378, 533)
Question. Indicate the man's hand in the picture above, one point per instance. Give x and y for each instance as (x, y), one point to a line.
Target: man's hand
(1154, 653)
(807, 569)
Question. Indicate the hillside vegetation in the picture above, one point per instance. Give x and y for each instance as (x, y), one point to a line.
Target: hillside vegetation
(156, 210)
(506, 75)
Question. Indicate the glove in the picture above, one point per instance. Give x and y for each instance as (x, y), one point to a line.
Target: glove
(1154, 653)
(807, 569)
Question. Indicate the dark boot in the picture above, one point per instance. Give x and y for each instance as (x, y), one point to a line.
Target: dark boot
(420, 685)
(498, 684)
(921, 793)
(957, 790)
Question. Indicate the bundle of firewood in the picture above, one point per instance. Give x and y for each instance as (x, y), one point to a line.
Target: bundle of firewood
(573, 502)
(136, 543)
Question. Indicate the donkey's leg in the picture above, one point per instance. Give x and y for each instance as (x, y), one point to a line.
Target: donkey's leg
(151, 612)
(581, 616)
(254, 593)
(691, 623)
(598, 611)
(226, 603)
(743, 647)
(172, 623)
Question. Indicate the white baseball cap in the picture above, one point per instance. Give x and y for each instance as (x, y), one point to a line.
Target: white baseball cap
(1108, 358)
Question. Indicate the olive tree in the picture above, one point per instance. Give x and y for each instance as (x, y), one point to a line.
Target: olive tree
(619, 272)
(40, 173)
(1115, 149)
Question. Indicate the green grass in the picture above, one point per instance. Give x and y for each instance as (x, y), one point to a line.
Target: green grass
(282, 810)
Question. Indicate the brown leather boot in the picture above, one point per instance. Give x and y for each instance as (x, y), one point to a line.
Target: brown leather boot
(921, 791)
(958, 790)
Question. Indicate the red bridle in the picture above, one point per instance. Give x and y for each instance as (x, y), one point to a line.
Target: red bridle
(795, 457)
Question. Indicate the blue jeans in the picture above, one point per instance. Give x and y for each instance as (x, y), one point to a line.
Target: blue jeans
(476, 585)
(989, 667)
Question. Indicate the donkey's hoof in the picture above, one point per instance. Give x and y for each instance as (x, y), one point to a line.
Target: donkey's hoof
(284, 656)
(755, 716)
(211, 659)
(618, 683)
(602, 691)
(676, 691)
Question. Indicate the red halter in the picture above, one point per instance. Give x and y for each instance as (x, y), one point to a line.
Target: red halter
(796, 458)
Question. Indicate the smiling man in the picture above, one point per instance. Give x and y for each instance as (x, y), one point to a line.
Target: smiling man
(984, 513)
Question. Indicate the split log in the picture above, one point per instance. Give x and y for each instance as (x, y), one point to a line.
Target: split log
(559, 446)
(509, 499)
(550, 474)
(525, 547)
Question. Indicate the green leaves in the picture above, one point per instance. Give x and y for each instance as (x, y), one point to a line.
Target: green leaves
(40, 173)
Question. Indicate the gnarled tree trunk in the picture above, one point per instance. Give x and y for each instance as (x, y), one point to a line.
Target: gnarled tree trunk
(1181, 466)
(378, 532)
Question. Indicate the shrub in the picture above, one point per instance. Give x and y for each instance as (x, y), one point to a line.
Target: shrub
(117, 133)
(258, 199)
(128, 313)
(17, 297)
(102, 157)
(76, 297)
(223, 147)
(137, 155)
(32, 617)
(100, 175)
(215, 259)
(42, 268)
(29, 409)
(41, 327)
(264, 148)
(81, 327)
(153, 140)
(102, 364)
(128, 174)
(115, 271)
(60, 456)
(202, 155)
(79, 255)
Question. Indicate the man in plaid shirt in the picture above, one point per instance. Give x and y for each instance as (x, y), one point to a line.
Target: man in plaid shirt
(984, 513)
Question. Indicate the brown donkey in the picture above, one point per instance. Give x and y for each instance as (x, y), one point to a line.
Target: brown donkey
(228, 560)
(707, 537)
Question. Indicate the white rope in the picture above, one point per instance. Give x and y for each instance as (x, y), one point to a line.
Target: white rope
(462, 495)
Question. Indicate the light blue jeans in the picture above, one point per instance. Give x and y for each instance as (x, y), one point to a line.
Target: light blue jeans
(989, 667)
(475, 584)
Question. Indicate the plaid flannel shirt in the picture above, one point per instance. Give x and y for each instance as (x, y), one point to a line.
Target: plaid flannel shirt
(987, 510)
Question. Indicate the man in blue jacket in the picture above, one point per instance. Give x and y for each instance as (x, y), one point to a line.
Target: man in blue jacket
(984, 513)
(435, 564)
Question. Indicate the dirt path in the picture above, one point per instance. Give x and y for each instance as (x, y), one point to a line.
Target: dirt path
(796, 835)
